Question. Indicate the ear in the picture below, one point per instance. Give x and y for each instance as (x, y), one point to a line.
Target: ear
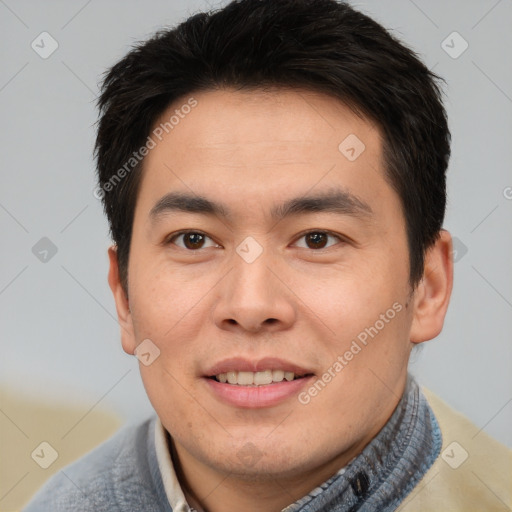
(432, 294)
(122, 305)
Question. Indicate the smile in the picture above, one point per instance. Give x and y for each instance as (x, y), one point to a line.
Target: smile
(243, 382)
(243, 378)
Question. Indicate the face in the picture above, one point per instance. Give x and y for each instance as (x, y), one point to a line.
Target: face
(294, 259)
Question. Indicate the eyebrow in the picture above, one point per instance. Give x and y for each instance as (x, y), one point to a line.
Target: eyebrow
(333, 201)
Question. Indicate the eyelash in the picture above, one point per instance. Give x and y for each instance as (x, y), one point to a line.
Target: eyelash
(172, 237)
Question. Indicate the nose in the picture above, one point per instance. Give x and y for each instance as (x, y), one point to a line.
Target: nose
(254, 297)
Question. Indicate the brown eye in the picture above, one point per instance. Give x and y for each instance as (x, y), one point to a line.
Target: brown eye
(318, 239)
(192, 240)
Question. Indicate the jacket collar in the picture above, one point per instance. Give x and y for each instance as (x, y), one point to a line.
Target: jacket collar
(388, 468)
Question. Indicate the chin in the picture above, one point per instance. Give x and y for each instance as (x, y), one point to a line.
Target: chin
(261, 460)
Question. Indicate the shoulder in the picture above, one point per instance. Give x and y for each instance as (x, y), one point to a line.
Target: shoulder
(112, 477)
(472, 470)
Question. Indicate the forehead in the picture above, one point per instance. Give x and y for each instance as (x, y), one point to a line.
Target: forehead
(282, 121)
(254, 146)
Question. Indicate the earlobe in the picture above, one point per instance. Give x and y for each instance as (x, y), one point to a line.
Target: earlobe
(124, 315)
(433, 292)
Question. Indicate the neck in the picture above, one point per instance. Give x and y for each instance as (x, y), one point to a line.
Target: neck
(227, 492)
(210, 491)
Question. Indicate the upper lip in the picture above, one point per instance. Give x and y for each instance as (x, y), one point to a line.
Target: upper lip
(251, 365)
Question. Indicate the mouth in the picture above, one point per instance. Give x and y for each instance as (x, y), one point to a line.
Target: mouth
(267, 382)
(255, 379)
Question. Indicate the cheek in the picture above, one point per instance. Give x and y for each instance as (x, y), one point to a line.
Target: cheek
(165, 302)
(357, 298)
(183, 411)
(368, 320)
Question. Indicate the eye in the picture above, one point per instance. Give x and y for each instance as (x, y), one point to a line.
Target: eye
(192, 240)
(318, 239)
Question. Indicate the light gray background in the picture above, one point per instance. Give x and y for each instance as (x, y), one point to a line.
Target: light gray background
(60, 338)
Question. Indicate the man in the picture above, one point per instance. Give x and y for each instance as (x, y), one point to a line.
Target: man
(274, 178)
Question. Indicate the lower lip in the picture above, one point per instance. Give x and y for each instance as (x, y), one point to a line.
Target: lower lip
(257, 396)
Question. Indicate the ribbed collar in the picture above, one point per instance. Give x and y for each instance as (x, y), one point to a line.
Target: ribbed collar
(378, 479)
(390, 466)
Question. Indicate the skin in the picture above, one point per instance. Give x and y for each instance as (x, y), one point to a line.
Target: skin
(252, 151)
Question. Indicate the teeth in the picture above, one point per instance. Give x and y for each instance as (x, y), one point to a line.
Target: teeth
(262, 378)
(277, 375)
(245, 379)
(255, 378)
